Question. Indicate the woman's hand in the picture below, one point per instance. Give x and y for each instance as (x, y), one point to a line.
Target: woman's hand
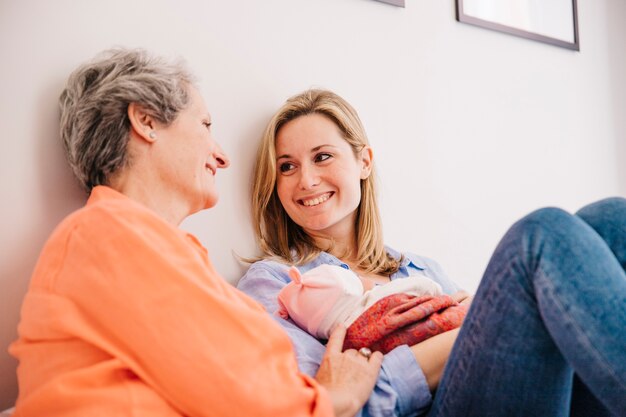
(348, 376)
(463, 298)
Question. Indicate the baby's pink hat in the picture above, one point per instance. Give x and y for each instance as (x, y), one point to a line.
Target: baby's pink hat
(309, 297)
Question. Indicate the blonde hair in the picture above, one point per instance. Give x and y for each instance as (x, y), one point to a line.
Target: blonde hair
(280, 237)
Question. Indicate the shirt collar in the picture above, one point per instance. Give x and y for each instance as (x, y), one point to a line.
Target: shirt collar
(326, 258)
(407, 261)
(103, 193)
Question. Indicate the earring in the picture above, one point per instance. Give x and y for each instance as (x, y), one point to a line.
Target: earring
(152, 135)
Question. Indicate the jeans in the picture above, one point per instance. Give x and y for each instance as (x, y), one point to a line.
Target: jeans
(546, 332)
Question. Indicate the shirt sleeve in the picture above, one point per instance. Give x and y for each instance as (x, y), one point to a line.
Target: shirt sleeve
(149, 297)
(401, 389)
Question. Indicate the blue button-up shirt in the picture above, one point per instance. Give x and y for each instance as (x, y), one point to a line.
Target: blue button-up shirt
(401, 389)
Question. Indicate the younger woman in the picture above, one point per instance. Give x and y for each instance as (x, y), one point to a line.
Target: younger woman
(545, 331)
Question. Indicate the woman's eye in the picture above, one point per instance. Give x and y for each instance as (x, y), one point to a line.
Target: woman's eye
(207, 125)
(285, 167)
(321, 157)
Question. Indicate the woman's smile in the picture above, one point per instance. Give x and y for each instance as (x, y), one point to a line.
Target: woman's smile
(316, 200)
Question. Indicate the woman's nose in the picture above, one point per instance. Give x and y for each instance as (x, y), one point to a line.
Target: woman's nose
(308, 177)
(221, 157)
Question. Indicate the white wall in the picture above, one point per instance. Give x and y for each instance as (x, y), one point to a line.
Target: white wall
(471, 128)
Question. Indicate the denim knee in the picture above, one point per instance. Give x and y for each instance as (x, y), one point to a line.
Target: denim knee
(608, 218)
(601, 210)
(546, 219)
(541, 230)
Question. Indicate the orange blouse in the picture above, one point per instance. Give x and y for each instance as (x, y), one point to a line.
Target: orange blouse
(126, 316)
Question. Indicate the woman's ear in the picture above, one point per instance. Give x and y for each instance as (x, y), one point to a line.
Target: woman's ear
(367, 157)
(142, 124)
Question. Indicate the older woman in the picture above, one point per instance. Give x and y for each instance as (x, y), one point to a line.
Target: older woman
(545, 333)
(125, 314)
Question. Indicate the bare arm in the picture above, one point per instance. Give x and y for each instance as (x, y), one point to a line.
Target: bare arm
(432, 354)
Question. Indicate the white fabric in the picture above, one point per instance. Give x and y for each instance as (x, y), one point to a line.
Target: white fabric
(350, 306)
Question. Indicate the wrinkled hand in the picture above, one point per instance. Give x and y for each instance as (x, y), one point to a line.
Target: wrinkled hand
(348, 376)
(463, 298)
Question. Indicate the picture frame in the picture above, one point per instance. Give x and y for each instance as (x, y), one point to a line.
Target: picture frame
(551, 21)
(399, 3)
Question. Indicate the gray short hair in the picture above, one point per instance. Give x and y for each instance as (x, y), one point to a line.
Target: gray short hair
(94, 108)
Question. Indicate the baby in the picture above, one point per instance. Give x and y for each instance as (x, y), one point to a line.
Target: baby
(406, 310)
